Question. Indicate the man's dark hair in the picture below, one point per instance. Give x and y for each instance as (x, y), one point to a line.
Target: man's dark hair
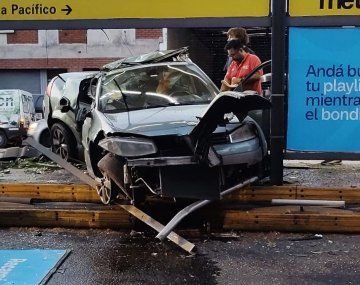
(239, 33)
(235, 44)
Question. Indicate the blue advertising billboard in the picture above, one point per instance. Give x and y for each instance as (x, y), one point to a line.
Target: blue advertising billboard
(324, 90)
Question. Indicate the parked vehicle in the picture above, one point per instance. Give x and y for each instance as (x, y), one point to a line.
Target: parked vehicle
(16, 113)
(156, 124)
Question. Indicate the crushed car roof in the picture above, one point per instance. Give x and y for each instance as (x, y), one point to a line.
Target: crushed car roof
(78, 74)
(152, 57)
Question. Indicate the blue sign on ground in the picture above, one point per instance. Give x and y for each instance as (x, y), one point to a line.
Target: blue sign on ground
(28, 267)
(324, 89)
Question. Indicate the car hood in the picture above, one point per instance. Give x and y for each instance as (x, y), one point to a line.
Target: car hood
(194, 120)
(226, 102)
(172, 120)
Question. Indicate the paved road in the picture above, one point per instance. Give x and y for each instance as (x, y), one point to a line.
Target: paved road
(111, 257)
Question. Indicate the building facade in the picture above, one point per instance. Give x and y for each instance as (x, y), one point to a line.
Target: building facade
(30, 58)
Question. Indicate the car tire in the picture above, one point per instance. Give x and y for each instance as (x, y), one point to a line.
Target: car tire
(62, 142)
(3, 139)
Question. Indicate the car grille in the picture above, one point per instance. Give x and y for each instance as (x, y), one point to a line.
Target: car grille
(177, 146)
(172, 146)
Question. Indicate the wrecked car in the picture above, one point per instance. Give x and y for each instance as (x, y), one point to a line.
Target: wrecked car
(156, 125)
(61, 104)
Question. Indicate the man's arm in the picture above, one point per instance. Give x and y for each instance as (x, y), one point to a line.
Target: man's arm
(254, 62)
(225, 85)
(235, 82)
(254, 78)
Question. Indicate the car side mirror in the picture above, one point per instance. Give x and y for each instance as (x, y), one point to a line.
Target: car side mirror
(64, 105)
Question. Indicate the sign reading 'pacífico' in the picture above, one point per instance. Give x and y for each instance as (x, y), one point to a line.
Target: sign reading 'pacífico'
(34, 9)
(324, 8)
(121, 9)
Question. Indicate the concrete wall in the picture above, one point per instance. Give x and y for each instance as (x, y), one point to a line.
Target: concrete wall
(100, 44)
(45, 52)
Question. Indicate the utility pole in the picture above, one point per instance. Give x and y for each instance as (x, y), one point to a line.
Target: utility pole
(277, 85)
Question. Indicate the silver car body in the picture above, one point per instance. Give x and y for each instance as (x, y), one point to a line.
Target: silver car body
(175, 150)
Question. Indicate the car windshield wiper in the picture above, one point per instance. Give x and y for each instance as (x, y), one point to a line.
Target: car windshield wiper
(161, 105)
(176, 104)
(194, 102)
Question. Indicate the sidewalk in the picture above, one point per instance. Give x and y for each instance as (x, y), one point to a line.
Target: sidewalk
(312, 174)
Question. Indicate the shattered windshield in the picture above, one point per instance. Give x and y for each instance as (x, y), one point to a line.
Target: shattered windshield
(155, 86)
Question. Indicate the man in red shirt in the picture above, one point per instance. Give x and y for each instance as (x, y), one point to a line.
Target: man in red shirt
(242, 64)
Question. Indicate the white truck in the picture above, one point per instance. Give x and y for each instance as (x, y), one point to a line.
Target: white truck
(16, 113)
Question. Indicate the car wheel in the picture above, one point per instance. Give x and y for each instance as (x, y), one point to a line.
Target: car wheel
(111, 168)
(108, 191)
(62, 142)
(3, 139)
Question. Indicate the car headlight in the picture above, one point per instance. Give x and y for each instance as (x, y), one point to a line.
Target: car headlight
(128, 147)
(243, 133)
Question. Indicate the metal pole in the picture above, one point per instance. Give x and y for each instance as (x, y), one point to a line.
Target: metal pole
(296, 202)
(197, 205)
(277, 86)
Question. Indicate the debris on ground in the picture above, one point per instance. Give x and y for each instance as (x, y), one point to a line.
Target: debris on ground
(35, 170)
(331, 252)
(328, 162)
(307, 237)
(136, 234)
(224, 236)
(37, 165)
(32, 162)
